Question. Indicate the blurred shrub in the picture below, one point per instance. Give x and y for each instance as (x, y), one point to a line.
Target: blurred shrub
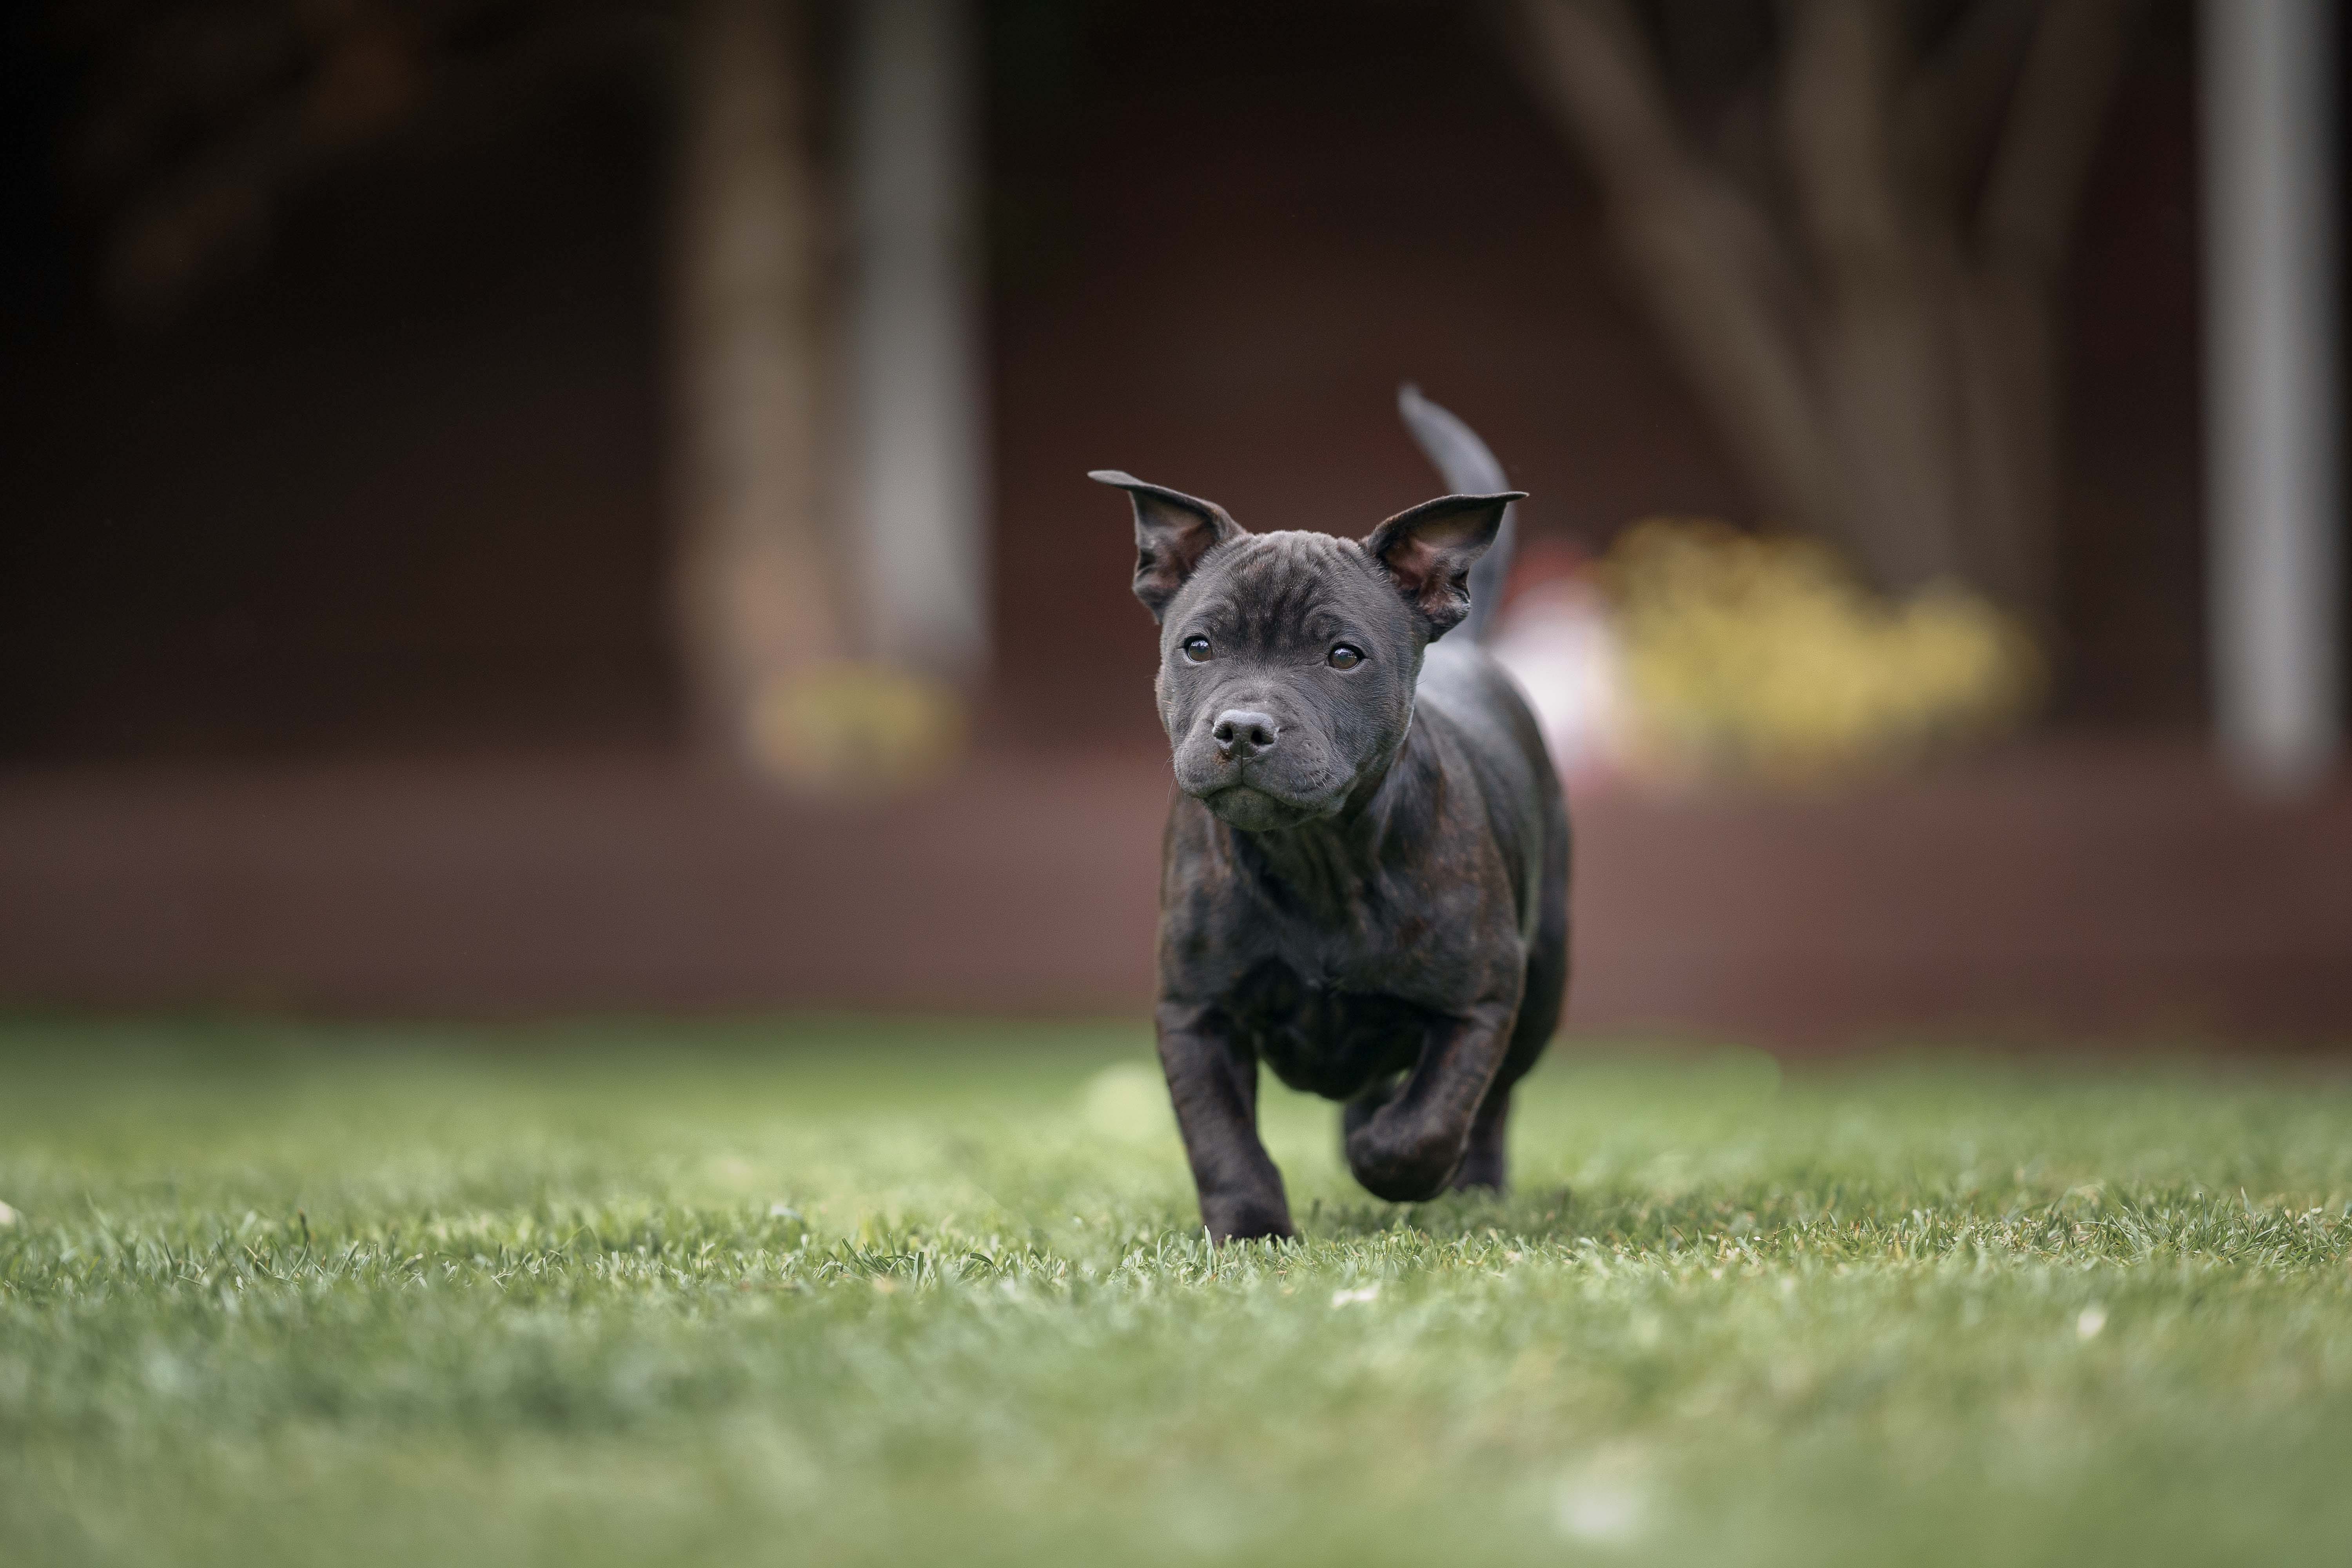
(1766, 658)
(856, 730)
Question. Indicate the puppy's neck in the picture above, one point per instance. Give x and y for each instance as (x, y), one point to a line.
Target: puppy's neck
(1327, 869)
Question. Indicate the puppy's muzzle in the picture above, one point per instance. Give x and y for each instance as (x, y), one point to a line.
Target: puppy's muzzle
(1242, 735)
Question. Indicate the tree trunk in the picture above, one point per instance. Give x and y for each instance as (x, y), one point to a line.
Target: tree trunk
(1881, 341)
(1882, 366)
(1704, 262)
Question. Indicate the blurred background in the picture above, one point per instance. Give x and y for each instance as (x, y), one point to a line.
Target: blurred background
(518, 507)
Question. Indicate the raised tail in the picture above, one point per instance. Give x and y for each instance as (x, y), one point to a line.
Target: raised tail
(1467, 468)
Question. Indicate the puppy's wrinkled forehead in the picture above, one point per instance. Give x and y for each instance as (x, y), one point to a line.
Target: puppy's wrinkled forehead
(1267, 588)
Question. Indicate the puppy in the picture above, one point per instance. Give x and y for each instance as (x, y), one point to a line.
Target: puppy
(1364, 877)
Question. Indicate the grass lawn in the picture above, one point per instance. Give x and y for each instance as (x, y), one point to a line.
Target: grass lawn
(840, 1292)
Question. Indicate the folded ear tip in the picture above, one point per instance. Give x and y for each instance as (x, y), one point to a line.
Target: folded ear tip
(1112, 476)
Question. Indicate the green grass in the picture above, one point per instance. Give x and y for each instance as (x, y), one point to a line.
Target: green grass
(815, 1293)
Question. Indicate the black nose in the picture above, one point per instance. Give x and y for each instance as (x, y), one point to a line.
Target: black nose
(1243, 735)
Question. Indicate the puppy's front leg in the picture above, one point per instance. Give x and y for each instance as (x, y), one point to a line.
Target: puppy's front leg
(1410, 1148)
(1213, 1079)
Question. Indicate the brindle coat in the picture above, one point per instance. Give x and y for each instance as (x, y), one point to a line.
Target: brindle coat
(1365, 874)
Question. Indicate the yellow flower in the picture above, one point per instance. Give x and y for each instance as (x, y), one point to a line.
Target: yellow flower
(1764, 657)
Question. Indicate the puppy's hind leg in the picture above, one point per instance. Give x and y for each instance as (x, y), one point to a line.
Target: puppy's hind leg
(1486, 1165)
(1355, 1112)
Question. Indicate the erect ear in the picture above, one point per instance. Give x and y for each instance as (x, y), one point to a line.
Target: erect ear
(1172, 532)
(1429, 550)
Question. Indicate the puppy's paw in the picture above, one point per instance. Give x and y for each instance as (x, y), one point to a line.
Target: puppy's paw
(1483, 1170)
(1248, 1220)
(1401, 1170)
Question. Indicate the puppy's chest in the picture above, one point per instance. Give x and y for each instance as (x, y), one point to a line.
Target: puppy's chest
(1325, 1032)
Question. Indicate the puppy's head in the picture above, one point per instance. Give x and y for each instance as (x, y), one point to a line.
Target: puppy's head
(1287, 660)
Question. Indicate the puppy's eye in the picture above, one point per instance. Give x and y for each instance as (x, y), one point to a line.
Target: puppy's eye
(1346, 657)
(1197, 649)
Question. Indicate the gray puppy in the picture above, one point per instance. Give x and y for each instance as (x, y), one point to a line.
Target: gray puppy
(1364, 881)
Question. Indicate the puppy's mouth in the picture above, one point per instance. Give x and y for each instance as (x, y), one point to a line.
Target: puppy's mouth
(1255, 811)
(1258, 793)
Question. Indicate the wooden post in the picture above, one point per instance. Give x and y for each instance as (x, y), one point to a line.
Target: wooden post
(920, 481)
(2274, 501)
